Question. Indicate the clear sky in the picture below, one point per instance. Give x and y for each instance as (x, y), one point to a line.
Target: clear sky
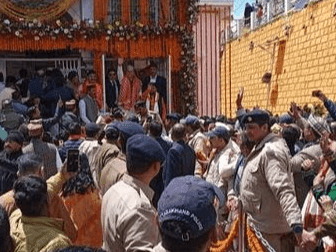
(239, 7)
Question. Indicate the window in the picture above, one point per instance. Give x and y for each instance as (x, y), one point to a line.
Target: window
(173, 11)
(115, 13)
(154, 11)
(86, 8)
(135, 10)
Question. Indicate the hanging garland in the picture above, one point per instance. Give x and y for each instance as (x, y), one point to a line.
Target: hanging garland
(253, 242)
(86, 30)
(188, 73)
(224, 245)
(189, 66)
(43, 10)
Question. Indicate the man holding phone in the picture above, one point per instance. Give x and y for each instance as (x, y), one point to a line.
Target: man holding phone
(72, 160)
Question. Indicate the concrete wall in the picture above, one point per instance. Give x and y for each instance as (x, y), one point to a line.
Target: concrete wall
(304, 60)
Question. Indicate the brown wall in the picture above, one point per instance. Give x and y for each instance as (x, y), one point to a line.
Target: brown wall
(303, 61)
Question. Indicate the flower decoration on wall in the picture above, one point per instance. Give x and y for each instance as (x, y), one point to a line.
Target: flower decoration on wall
(188, 59)
(87, 29)
(193, 11)
(188, 73)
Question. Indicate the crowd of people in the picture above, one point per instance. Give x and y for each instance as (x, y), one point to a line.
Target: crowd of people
(149, 181)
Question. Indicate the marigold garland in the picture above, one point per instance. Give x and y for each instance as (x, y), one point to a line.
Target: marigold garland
(253, 242)
(224, 245)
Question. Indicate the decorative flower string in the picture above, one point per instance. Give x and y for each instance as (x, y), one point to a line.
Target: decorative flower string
(224, 245)
(253, 242)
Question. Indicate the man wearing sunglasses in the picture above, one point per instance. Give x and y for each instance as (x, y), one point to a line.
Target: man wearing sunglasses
(112, 85)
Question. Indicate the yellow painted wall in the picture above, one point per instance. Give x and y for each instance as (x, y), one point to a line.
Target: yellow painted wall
(307, 57)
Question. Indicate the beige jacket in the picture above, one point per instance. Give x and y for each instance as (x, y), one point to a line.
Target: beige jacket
(112, 172)
(129, 220)
(267, 187)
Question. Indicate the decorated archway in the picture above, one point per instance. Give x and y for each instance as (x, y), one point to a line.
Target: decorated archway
(42, 10)
(120, 38)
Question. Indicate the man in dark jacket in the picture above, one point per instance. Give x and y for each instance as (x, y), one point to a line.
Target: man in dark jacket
(73, 142)
(160, 82)
(155, 131)
(10, 119)
(112, 89)
(181, 157)
(34, 113)
(35, 86)
(70, 116)
(8, 160)
(247, 14)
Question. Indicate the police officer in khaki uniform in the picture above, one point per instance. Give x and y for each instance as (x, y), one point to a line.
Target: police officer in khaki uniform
(267, 186)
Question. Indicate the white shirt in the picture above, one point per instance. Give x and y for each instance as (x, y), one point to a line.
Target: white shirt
(90, 147)
(222, 167)
(153, 79)
(120, 73)
(6, 93)
(59, 162)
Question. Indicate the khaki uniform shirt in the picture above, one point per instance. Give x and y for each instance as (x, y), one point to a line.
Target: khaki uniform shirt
(129, 220)
(102, 157)
(113, 171)
(267, 187)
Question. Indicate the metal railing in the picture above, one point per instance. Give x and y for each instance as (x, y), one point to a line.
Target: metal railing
(271, 9)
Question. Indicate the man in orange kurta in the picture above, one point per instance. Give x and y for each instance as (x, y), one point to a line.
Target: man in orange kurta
(85, 210)
(130, 89)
